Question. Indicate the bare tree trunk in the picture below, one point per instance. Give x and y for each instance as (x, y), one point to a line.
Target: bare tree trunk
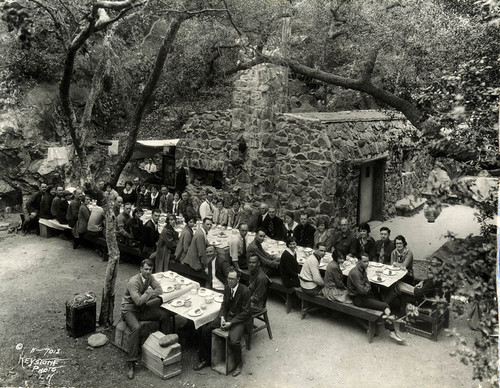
(108, 292)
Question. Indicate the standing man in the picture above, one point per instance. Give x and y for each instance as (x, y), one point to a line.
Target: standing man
(150, 166)
(344, 241)
(150, 234)
(262, 214)
(310, 278)
(166, 200)
(384, 246)
(196, 255)
(258, 285)
(30, 220)
(273, 225)
(238, 248)
(234, 316)
(217, 269)
(74, 206)
(57, 201)
(269, 263)
(142, 303)
(304, 232)
(122, 235)
(207, 208)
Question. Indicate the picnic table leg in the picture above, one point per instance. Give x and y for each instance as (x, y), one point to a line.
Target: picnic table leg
(303, 309)
(372, 328)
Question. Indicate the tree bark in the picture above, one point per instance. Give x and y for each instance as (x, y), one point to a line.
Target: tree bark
(108, 292)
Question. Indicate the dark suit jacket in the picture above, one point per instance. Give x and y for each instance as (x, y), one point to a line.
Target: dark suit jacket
(221, 270)
(289, 270)
(149, 234)
(304, 235)
(196, 256)
(278, 229)
(238, 309)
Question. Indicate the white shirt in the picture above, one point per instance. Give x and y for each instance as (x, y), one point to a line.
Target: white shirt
(216, 283)
(206, 210)
(151, 168)
(233, 290)
(153, 198)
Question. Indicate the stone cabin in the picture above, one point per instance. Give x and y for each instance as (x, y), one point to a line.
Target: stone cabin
(354, 164)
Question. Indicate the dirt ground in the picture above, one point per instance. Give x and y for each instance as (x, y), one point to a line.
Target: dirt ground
(37, 277)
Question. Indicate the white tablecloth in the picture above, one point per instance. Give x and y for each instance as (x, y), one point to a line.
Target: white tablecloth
(169, 279)
(197, 299)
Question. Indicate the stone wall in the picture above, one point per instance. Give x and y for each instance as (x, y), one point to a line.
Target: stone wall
(299, 161)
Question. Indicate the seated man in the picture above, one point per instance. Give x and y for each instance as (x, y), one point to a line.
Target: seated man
(196, 255)
(311, 281)
(344, 241)
(273, 225)
(141, 303)
(135, 226)
(428, 288)
(122, 235)
(269, 262)
(362, 295)
(383, 247)
(31, 216)
(217, 269)
(95, 225)
(234, 316)
(207, 207)
(304, 232)
(259, 283)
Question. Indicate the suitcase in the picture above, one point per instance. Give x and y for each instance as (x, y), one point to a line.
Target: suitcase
(80, 320)
(164, 362)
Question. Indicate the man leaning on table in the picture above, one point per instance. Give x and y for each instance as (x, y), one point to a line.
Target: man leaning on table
(269, 263)
(141, 302)
(234, 316)
(196, 256)
(217, 269)
(310, 278)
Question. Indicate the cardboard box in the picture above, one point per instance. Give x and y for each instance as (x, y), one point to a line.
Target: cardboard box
(164, 362)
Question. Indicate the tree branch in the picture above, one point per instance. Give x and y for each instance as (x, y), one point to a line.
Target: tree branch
(230, 16)
(369, 65)
(175, 23)
(58, 26)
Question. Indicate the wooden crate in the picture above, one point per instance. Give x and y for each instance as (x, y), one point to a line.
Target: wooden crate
(164, 362)
(122, 332)
(222, 355)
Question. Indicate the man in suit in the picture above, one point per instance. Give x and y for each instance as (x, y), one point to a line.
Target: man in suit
(166, 200)
(74, 207)
(263, 214)
(383, 247)
(258, 285)
(217, 269)
(234, 316)
(269, 263)
(141, 303)
(150, 234)
(273, 225)
(304, 232)
(196, 256)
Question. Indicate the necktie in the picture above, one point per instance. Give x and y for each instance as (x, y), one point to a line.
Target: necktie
(244, 250)
(271, 228)
(381, 257)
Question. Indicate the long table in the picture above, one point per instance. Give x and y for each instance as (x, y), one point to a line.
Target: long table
(204, 303)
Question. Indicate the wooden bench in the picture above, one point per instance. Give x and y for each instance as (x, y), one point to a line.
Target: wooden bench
(285, 292)
(367, 318)
(51, 228)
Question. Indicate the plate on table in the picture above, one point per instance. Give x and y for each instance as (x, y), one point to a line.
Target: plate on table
(195, 312)
(386, 272)
(281, 243)
(169, 275)
(219, 298)
(375, 264)
(393, 268)
(183, 281)
(169, 289)
(177, 303)
(374, 280)
(204, 292)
